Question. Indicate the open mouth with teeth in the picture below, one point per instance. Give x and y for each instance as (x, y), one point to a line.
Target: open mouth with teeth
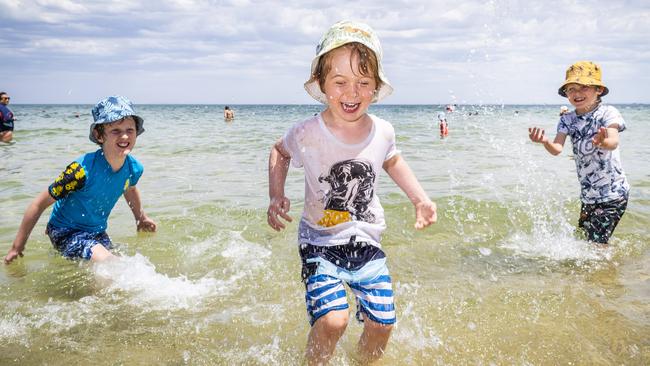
(123, 145)
(350, 107)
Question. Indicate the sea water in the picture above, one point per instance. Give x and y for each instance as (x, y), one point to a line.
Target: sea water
(501, 278)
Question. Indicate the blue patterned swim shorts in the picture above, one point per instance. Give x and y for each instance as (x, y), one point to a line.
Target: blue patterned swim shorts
(362, 266)
(73, 243)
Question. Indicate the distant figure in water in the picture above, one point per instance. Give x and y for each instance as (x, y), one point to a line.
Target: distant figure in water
(450, 108)
(6, 119)
(444, 126)
(594, 130)
(564, 110)
(87, 190)
(228, 114)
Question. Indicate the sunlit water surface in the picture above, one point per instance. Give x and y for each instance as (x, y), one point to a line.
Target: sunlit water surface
(500, 279)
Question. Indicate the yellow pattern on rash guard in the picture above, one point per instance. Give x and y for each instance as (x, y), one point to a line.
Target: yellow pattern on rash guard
(71, 179)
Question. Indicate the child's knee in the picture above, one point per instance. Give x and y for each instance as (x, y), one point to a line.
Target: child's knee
(335, 321)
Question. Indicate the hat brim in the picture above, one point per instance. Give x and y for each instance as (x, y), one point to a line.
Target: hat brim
(583, 81)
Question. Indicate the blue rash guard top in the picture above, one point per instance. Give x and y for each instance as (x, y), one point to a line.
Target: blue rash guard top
(6, 118)
(87, 190)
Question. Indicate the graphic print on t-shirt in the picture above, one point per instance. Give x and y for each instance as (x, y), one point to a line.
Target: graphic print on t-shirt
(351, 190)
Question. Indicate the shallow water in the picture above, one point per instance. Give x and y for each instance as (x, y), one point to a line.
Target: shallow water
(500, 279)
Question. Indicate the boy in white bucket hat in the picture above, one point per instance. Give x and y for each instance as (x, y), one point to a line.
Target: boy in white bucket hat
(343, 150)
(87, 190)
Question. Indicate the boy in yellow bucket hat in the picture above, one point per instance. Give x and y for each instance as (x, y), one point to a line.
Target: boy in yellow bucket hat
(594, 130)
(343, 150)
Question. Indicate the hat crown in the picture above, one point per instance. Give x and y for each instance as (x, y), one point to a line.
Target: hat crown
(584, 69)
(346, 31)
(112, 108)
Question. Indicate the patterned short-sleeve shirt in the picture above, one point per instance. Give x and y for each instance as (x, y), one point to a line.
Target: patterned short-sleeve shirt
(600, 171)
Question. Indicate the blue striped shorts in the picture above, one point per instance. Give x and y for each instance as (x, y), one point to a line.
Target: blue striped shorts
(362, 266)
(73, 243)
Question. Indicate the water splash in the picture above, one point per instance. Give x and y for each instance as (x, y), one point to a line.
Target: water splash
(137, 276)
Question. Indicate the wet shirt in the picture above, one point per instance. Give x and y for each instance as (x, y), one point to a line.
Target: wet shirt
(600, 171)
(340, 181)
(6, 118)
(87, 190)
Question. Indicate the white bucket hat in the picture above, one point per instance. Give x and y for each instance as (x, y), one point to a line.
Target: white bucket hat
(341, 33)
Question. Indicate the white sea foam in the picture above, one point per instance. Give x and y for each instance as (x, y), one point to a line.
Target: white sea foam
(556, 247)
(137, 276)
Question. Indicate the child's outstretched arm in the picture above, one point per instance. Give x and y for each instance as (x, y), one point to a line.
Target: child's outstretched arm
(143, 222)
(536, 134)
(278, 168)
(607, 137)
(32, 214)
(425, 210)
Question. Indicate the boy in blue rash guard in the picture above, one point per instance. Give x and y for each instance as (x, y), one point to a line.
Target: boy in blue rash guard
(87, 190)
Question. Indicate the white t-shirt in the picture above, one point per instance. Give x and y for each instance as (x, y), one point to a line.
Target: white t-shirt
(600, 171)
(340, 181)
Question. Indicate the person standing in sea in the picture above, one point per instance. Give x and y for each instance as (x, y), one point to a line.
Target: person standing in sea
(6, 118)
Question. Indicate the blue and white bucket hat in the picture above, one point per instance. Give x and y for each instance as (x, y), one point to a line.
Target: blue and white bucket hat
(342, 33)
(112, 109)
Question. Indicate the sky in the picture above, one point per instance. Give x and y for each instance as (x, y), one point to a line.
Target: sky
(259, 52)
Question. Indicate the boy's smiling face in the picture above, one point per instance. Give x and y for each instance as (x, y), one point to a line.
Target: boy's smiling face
(349, 93)
(583, 97)
(118, 138)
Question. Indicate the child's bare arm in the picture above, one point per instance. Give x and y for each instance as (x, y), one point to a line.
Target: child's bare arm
(607, 138)
(425, 210)
(536, 134)
(32, 214)
(278, 168)
(143, 222)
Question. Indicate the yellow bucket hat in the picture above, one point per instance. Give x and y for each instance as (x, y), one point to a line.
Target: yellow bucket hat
(341, 33)
(583, 73)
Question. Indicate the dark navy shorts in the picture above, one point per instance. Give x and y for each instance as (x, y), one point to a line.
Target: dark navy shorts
(598, 220)
(6, 126)
(73, 243)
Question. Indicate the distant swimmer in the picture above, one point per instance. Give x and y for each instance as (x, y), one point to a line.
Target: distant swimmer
(564, 110)
(6, 118)
(444, 126)
(450, 108)
(228, 114)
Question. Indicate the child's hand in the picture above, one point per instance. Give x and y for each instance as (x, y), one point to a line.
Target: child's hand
(600, 137)
(13, 254)
(278, 206)
(425, 214)
(536, 134)
(146, 224)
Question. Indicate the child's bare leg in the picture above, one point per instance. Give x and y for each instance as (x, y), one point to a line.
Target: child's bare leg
(373, 341)
(324, 335)
(100, 253)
